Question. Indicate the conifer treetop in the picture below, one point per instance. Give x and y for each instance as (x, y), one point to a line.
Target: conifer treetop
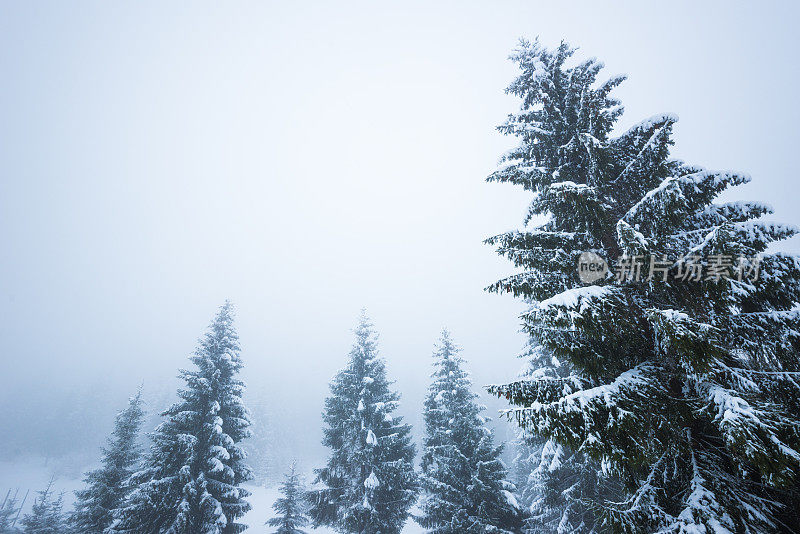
(109, 486)
(369, 478)
(291, 507)
(191, 481)
(686, 388)
(463, 477)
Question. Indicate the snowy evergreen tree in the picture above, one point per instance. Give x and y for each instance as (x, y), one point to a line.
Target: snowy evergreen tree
(369, 480)
(291, 508)
(46, 516)
(528, 447)
(527, 452)
(560, 488)
(109, 486)
(9, 511)
(685, 387)
(190, 482)
(464, 479)
(557, 485)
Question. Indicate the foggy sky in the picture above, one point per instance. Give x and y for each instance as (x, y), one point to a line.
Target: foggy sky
(306, 161)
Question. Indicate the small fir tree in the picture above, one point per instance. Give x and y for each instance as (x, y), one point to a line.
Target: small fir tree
(557, 486)
(464, 479)
(9, 511)
(46, 516)
(109, 486)
(292, 507)
(369, 479)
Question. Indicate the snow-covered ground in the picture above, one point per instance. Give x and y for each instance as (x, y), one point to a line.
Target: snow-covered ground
(33, 475)
(262, 500)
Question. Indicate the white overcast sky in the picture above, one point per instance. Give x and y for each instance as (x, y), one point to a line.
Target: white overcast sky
(306, 160)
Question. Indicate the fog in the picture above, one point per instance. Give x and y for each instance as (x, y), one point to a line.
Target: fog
(307, 161)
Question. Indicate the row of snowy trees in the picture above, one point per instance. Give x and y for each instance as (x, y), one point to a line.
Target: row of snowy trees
(653, 405)
(369, 481)
(189, 482)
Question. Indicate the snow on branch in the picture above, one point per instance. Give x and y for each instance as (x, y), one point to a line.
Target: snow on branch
(577, 418)
(679, 196)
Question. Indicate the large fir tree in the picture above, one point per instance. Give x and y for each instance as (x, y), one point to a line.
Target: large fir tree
(292, 506)
(686, 388)
(369, 478)
(109, 485)
(464, 479)
(191, 481)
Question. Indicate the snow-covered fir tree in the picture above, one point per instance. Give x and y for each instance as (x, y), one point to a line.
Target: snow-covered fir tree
(46, 515)
(555, 484)
(109, 486)
(9, 510)
(369, 479)
(292, 506)
(527, 452)
(685, 386)
(463, 477)
(528, 447)
(558, 488)
(190, 483)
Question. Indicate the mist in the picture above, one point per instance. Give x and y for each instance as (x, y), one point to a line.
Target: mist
(306, 162)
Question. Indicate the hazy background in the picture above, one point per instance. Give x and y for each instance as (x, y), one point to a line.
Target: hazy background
(305, 161)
